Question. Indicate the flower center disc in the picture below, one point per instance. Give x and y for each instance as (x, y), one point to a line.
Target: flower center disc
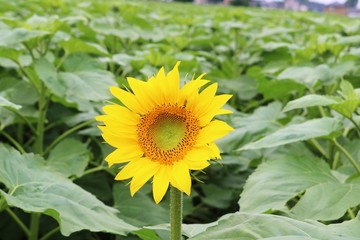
(167, 133)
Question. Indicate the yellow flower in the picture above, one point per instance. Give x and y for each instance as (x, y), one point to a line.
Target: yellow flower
(164, 131)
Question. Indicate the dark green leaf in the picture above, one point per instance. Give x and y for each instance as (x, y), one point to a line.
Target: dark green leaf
(69, 157)
(33, 187)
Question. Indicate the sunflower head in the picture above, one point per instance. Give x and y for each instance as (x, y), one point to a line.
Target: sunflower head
(163, 131)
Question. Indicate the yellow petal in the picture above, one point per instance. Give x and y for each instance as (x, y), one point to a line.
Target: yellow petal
(173, 79)
(121, 155)
(130, 169)
(189, 89)
(128, 99)
(121, 114)
(224, 111)
(143, 92)
(180, 177)
(119, 130)
(198, 157)
(213, 131)
(148, 169)
(208, 112)
(119, 141)
(198, 165)
(205, 97)
(202, 153)
(161, 183)
(214, 148)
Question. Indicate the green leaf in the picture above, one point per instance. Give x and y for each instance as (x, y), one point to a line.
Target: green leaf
(48, 74)
(310, 101)
(130, 207)
(75, 45)
(217, 197)
(297, 132)
(249, 127)
(351, 102)
(244, 87)
(85, 87)
(147, 234)
(346, 107)
(308, 75)
(33, 187)
(262, 226)
(49, 23)
(6, 103)
(327, 201)
(82, 87)
(10, 53)
(70, 157)
(275, 182)
(11, 37)
(278, 89)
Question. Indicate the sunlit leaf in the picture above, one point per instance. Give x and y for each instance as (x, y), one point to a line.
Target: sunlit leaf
(297, 132)
(262, 226)
(275, 182)
(33, 187)
(6, 103)
(310, 101)
(327, 201)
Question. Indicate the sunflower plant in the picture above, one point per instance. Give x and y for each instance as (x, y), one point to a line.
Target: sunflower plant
(163, 131)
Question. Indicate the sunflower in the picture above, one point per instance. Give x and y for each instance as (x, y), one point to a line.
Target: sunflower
(163, 131)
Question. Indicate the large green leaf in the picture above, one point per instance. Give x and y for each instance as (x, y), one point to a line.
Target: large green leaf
(310, 101)
(351, 100)
(69, 157)
(272, 227)
(249, 127)
(34, 187)
(297, 132)
(6, 103)
(48, 74)
(82, 87)
(307, 75)
(10, 37)
(275, 182)
(75, 45)
(131, 207)
(327, 201)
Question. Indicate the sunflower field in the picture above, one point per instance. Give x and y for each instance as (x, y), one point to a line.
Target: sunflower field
(285, 118)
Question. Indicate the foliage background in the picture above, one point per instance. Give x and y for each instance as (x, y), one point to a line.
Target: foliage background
(290, 169)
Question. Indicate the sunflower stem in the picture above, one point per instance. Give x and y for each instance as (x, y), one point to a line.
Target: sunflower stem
(175, 213)
(34, 226)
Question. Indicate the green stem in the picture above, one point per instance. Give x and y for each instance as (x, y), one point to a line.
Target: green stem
(39, 143)
(23, 118)
(175, 213)
(355, 124)
(351, 213)
(336, 160)
(348, 156)
(317, 145)
(34, 226)
(95, 169)
(50, 233)
(65, 134)
(18, 221)
(13, 141)
(30, 51)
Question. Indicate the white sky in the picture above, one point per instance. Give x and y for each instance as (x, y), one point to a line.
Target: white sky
(323, 2)
(328, 1)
